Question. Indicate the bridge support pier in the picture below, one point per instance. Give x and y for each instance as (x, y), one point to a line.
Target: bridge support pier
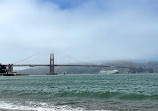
(51, 64)
(10, 68)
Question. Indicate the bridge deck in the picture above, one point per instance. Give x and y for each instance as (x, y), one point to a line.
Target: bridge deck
(34, 65)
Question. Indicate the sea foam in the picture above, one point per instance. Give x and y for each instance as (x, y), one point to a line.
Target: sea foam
(39, 107)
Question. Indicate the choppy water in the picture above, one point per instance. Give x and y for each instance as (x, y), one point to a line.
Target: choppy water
(120, 92)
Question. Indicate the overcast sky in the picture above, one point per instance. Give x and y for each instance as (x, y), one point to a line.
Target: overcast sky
(90, 30)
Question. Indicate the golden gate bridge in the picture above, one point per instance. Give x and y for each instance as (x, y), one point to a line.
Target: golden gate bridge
(52, 64)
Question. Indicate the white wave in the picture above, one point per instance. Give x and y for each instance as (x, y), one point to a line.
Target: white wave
(34, 106)
(41, 107)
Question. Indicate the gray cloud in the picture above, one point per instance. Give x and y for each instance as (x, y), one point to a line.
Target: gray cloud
(101, 30)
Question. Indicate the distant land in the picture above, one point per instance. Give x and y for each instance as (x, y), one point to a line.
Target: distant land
(147, 67)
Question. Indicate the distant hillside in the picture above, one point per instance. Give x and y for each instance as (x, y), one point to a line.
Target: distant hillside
(149, 67)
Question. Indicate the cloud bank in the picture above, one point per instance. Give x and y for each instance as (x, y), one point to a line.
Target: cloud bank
(90, 30)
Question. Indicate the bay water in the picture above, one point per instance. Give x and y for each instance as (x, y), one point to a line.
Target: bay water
(79, 92)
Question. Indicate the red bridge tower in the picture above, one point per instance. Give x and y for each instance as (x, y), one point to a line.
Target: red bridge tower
(51, 64)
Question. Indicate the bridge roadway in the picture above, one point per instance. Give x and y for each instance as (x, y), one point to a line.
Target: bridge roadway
(34, 65)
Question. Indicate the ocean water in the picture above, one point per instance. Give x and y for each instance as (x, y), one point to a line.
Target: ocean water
(115, 92)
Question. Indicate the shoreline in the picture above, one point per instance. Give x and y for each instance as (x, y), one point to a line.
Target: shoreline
(3, 109)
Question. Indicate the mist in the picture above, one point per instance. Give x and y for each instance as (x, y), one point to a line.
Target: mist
(89, 30)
